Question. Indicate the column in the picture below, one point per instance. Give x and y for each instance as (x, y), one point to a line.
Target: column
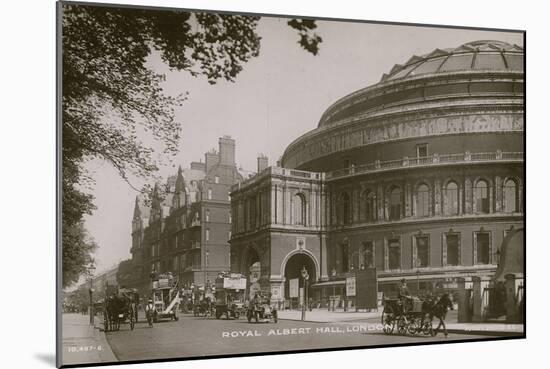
(464, 314)
(460, 190)
(324, 257)
(476, 296)
(498, 195)
(277, 289)
(354, 203)
(468, 196)
(409, 195)
(480, 299)
(288, 205)
(514, 298)
(437, 197)
(259, 209)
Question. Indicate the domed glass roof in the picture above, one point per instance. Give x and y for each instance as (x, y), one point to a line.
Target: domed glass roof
(476, 55)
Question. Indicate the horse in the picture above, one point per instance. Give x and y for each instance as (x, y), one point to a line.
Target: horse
(438, 309)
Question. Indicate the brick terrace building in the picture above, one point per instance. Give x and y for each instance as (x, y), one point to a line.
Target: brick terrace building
(186, 228)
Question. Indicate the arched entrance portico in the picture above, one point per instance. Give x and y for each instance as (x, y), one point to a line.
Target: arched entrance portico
(292, 268)
(251, 269)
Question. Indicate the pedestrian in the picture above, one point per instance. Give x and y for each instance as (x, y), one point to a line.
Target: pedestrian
(404, 295)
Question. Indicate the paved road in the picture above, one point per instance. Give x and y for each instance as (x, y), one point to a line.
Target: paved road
(196, 337)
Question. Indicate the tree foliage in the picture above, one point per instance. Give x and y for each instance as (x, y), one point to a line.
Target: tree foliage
(111, 98)
(309, 40)
(78, 247)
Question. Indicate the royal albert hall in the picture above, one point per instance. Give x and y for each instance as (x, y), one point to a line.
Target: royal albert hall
(420, 176)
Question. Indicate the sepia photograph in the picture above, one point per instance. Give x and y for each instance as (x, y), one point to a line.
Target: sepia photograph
(238, 184)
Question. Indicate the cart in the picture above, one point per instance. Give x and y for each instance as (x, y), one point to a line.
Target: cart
(260, 309)
(406, 316)
(120, 308)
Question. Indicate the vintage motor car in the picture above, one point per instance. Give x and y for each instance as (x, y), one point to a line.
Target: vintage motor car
(260, 310)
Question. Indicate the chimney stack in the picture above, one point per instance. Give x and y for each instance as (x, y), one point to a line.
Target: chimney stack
(262, 163)
(198, 166)
(211, 158)
(227, 150)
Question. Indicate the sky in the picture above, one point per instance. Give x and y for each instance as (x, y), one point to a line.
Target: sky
(279, 96)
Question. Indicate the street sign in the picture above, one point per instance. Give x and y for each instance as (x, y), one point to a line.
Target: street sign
(234, 283)
(276, 292)
(293, 287)
(350, 286)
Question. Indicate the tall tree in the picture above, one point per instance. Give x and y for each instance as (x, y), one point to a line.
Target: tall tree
(110, 98)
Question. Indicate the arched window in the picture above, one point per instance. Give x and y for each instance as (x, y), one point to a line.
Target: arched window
(511, 198)
(423, 201)
(395, 203)
(368, 211)
(450, 199)
(481, 195)
(345, 209)
(299, 209)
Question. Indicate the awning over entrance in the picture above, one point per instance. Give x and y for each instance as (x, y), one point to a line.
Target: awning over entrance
(329, 283)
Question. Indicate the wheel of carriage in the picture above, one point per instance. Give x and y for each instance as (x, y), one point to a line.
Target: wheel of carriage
(402, 324)
(132, 322)
(414, 326)
(427, 327)
(105, 323)
(388, 321)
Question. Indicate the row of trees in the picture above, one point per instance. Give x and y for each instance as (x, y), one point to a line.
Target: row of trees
(111, 99)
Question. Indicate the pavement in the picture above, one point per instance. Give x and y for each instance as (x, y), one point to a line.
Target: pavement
(84, 343)
(374, 317)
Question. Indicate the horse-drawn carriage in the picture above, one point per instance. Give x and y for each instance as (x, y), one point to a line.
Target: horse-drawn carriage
(120, 308)
(202, 303)
(260, 309)
(413, 315)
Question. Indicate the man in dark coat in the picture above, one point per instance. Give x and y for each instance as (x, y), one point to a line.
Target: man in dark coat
(405, 296)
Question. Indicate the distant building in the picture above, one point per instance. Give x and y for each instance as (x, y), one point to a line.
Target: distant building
(420, 176)
(186, 228)
(99, 284)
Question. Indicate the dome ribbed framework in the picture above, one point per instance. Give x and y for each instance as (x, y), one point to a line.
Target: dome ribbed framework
(476, 55)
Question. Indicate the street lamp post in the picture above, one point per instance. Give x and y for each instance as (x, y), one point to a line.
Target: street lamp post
(205, 269)
(305, 276)
(333, 275)
(417, 264)
(90, 271)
